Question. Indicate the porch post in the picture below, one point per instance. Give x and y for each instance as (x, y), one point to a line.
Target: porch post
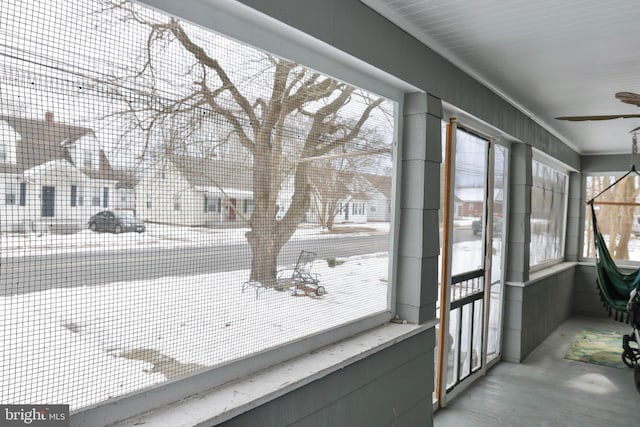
(520, 213)
(573, 245)
(418, 246)
(517, 264)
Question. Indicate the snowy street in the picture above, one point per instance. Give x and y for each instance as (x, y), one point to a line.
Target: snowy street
(90, 268)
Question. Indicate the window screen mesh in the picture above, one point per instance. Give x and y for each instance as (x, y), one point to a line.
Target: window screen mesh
(548, 213)
(174, 200)
(619, 222)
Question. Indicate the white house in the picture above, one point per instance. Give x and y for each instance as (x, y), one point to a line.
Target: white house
(357, 197)
(354, 206)
(195, 191)
(469, 201)
(53, 176)
(379, 201)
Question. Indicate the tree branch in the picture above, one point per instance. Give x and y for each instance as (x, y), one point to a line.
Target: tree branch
(202, 57)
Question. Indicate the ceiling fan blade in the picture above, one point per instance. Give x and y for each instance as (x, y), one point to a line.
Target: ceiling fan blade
(629, 98)
(607, 117)
(634, 130)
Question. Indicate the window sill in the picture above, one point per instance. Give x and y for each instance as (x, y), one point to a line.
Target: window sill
(622, 264)
(232, 399)
(543, 274)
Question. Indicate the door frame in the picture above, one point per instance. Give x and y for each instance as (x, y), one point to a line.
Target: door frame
(446, 306)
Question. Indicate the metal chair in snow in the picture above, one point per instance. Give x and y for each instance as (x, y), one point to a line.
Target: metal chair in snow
(302, 279)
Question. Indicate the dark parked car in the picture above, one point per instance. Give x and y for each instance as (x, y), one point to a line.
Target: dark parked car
(115, 221)
(476, 226)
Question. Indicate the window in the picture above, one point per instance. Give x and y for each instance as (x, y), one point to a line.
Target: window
(619, 224)
(87, 158)
(95, 196)
(11, 193)
(3, 153)
(211, 203)
(158, 102)
(74, 195)
(248, 206)
(23, 193)
(548, 214)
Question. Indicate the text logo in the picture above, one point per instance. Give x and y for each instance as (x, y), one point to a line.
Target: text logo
(34, 415)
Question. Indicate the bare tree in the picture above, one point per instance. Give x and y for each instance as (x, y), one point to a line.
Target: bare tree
(620, 218)
(614, 221)
(331, 190)
(340, 179)
(259, 122)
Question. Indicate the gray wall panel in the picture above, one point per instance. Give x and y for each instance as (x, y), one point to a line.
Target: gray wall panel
(586, 297)
(353, 396)
(534, 311)
(606, 163)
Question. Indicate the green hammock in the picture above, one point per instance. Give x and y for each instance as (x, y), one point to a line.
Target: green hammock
(614, 286)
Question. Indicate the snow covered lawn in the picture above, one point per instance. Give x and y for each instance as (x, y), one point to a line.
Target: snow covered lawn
(84, 345)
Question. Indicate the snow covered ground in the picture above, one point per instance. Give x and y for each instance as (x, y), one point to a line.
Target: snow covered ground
(84, 345)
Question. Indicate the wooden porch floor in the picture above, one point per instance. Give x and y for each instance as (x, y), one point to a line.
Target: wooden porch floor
(548, 390)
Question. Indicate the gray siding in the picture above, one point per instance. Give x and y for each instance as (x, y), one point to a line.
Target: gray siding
(534, 311)
(354, 396)
(585, 295)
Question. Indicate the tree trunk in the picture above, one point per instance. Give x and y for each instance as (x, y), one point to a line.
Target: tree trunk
(264, 260)
(268, 234)
(324, 214)
(331, 219)
(625, 220)
(264, 250)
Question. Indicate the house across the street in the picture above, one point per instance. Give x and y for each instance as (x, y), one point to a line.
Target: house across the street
(195, 191)
(54, 176)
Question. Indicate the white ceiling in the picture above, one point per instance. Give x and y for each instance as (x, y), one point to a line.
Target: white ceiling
(548, 57)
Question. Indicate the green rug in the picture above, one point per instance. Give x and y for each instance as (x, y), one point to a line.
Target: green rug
(598, 347)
